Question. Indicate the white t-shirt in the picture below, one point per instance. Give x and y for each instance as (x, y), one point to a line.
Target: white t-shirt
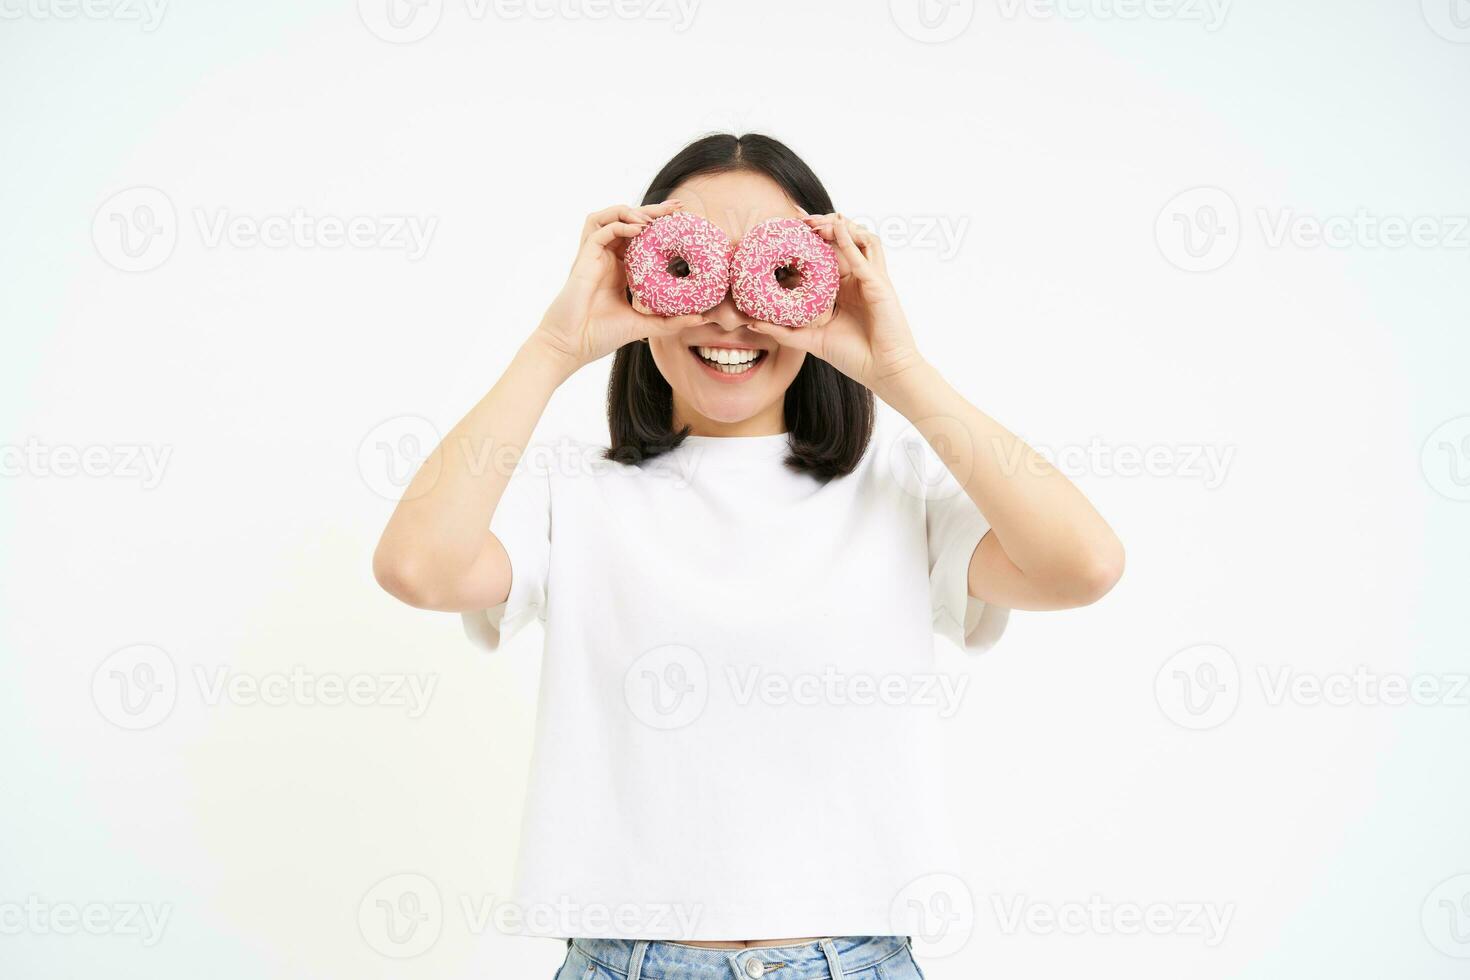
(739, 709)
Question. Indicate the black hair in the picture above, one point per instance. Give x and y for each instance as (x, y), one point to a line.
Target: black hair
(829, 416)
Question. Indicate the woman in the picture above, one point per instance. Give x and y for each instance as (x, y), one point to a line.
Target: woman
(733, 739)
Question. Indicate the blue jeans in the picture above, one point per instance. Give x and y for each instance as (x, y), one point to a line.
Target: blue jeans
(844, 958)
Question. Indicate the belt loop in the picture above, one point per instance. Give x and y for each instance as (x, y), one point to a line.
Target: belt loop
(635, 964)
(834, 965)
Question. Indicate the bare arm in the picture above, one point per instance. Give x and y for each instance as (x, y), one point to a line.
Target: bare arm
(437, 551)
(1048, 548)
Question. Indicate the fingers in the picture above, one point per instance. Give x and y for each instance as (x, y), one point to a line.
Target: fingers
(673, 324)
(856, 244)
(626, 214)
(605, 235)
(590, 263)
(652, 325)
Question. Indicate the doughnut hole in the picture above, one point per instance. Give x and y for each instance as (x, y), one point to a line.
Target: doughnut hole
(789, 276)
(678, 268)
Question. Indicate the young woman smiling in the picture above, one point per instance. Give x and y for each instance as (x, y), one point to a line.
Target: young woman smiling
(741, 526)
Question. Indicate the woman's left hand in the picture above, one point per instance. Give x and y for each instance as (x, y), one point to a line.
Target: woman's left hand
(866, 335)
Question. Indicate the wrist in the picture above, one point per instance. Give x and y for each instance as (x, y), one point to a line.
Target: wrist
(905, 386)
(549, 359)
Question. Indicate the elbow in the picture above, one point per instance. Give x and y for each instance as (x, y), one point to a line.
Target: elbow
(1096, 574)
(403, 578)
(1102, 572)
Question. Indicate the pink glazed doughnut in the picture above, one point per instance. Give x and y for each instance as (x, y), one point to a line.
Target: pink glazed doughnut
(784, 244)
(679, 264)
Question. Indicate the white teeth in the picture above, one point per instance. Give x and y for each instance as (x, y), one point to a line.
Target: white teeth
(728, 355)
(728, 360)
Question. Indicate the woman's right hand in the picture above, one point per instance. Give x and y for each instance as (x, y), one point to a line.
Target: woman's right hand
(591, 316)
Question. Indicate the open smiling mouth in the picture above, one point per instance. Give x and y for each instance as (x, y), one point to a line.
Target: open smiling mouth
(728, 362)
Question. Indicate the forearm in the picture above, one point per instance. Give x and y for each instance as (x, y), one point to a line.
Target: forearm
(1046, 527)
(439, 528)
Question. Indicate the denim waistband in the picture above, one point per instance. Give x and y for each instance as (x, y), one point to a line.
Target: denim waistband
(803, 961)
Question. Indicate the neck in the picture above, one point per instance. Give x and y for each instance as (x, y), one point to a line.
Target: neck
(769, 421)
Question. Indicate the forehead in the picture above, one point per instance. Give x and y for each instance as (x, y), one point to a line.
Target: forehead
(735, 201)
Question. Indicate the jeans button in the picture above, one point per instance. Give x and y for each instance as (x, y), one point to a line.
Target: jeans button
(755, 969)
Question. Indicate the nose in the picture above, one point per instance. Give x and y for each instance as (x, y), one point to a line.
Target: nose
(727, 317)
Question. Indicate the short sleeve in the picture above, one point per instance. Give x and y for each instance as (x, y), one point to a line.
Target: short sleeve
(954, 526)
(522, 522)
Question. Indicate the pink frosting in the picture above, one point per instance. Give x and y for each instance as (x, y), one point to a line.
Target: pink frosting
(769, 246)
(676, 237)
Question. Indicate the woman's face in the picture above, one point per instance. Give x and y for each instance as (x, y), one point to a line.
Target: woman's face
(739, 398)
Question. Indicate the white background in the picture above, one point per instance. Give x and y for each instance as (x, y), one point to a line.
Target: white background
(1049, 144)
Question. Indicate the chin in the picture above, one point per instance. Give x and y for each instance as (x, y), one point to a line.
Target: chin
(725, 408)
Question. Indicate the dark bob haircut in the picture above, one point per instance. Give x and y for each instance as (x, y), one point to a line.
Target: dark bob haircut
(828, 415)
